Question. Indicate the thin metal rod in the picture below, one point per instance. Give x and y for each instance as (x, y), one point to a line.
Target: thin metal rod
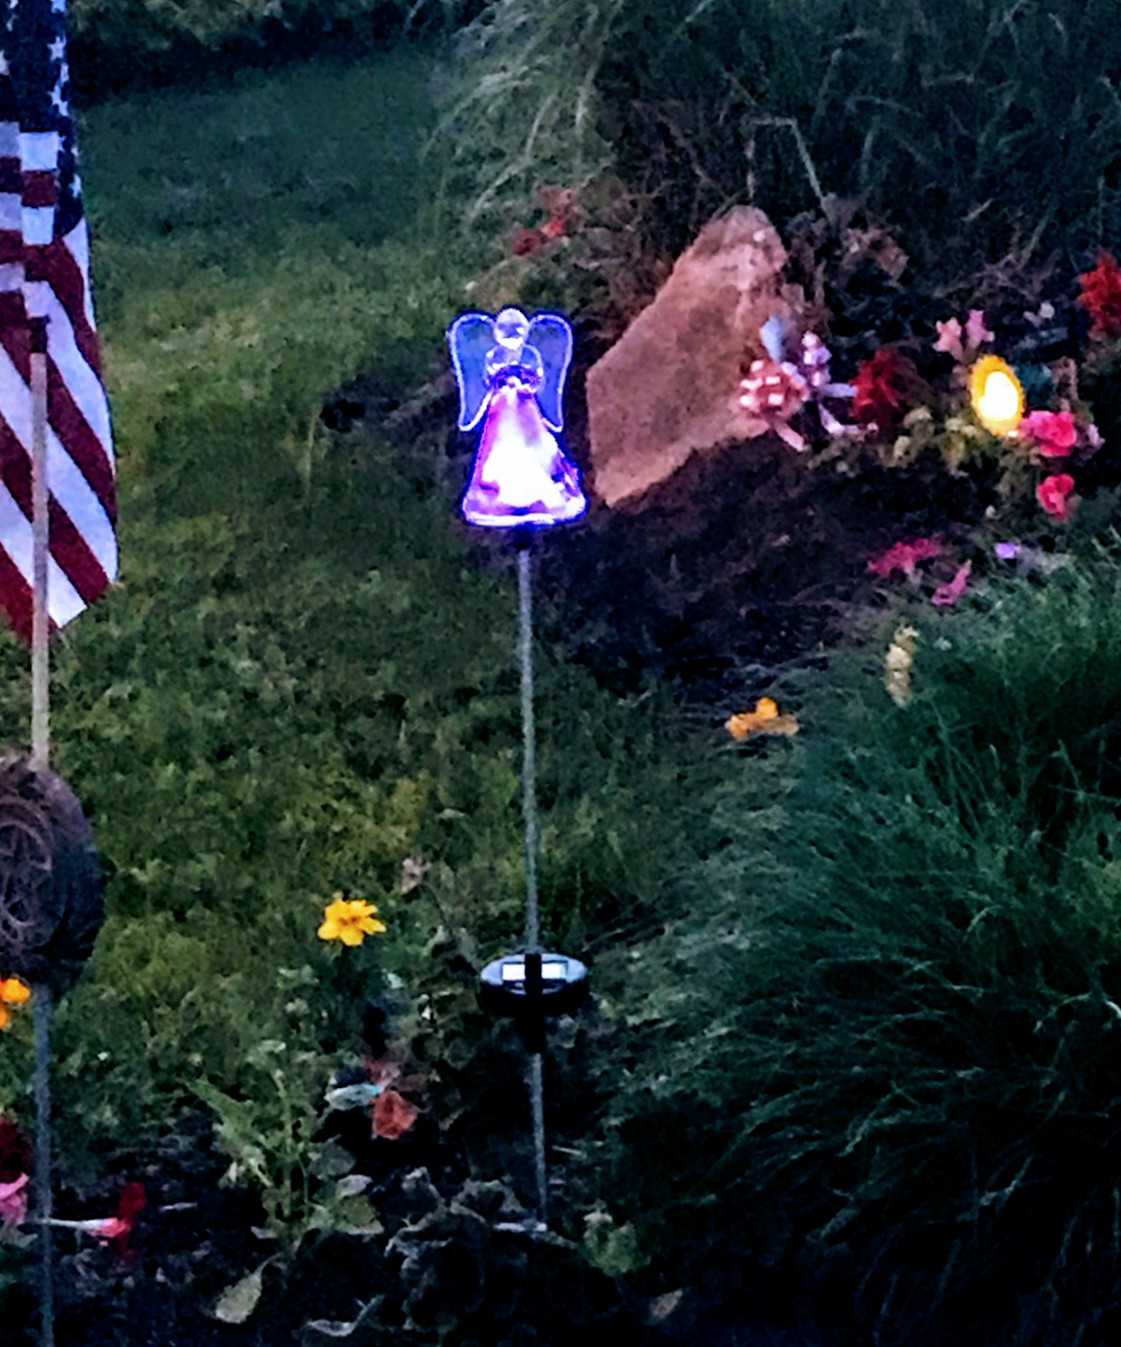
(529, 753)
(42, 1007)
(529, 812)
(40, 525)
(537, 1099)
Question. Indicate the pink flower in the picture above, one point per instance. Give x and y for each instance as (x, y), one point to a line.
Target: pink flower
(1054, 433)
(1053, 493)
(13, 1202)
(975, 330)
(949, 338)
(949, 593)
(904, 557)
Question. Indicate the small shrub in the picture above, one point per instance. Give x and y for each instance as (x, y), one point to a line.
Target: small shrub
(881, 1036)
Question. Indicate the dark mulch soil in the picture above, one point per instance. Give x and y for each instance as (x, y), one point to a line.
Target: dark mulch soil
(744, 560)
(748, 557)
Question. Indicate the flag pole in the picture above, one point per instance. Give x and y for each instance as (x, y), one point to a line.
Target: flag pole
(42, 1001)
(40, 508)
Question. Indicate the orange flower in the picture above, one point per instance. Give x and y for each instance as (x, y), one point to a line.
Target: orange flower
(765, 719)
(14, 992)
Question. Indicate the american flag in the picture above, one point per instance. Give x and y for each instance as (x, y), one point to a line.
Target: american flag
(44, 273)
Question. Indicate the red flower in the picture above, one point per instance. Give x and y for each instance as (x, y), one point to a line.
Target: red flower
(1054, 433)
(393, 1115)
(1101, 296)
(526, 241)
(887, 387)
(1053, 493)
(117, 1229)
(555, 227)
(904, 556)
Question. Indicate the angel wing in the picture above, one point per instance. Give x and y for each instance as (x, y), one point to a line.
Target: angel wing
(470, 338)
(551, 335)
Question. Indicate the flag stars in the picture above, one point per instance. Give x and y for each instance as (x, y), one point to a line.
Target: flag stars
(58, 49)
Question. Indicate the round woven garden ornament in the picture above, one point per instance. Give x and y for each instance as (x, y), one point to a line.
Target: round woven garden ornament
(51, 884)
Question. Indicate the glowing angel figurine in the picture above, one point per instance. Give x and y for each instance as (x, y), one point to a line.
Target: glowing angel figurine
(511, 371)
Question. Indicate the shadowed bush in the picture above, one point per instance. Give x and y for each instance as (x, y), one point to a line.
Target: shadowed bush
(882, 1045)
(131, 44)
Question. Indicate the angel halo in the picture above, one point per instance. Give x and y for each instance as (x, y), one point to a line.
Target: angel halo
(511, 372)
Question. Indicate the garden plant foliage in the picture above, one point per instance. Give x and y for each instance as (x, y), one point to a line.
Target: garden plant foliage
(940, 117)
(881, 1036)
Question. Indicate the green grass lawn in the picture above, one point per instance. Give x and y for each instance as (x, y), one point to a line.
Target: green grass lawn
(306, 673)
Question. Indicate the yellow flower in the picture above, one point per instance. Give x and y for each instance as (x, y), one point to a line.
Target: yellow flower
(765, 719)
(5, 1017)
(350, 920)
(898, 660)
(996, 394)
(14, 992)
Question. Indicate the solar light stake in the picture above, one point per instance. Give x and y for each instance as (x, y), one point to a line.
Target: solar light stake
(510, 371)
(532, 921)
(529, 743)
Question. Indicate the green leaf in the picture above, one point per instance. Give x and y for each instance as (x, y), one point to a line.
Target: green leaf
(238, 1302)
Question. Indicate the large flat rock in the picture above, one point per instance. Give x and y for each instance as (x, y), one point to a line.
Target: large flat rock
(669, 386)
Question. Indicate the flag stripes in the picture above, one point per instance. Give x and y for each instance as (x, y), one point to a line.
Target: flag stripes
(44, 272)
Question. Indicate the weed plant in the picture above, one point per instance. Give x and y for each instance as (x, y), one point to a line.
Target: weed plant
(879, 1043)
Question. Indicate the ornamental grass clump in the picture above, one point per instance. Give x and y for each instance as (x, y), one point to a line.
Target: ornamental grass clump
(937, 115)
(881, 1046)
